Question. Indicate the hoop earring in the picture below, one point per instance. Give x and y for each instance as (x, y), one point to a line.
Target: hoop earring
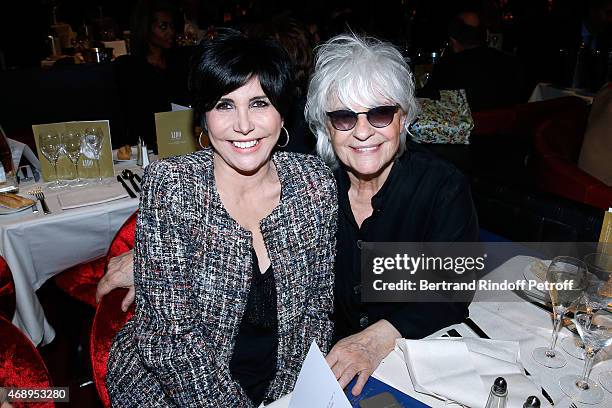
(287, 142)
(200, 139)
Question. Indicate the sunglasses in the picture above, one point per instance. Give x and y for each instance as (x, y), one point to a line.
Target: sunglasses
(379, 117)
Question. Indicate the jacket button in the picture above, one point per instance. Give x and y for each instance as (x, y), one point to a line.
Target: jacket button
(359, 242)
(357, 290)
(363, 321)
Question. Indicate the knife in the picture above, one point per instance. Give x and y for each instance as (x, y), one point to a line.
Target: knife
(476, 329)
(134, 185)
(137, 177)
(130, 192)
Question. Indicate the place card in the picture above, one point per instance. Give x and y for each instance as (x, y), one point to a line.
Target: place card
(316, 385)
(605, 237)
(175, 133)
(87, 163)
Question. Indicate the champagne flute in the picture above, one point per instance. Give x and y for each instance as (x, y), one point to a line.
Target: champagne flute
(597, 336)
(92, 144)
(566, 278)
(595, 297)
(51, 147)
(71, 141)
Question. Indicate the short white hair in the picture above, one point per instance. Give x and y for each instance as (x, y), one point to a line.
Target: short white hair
(360, 71)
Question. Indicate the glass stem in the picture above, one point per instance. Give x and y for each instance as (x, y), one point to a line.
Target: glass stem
(555, 334)
(99, 173)
(55, 169)
(583, 382)
(76, 169)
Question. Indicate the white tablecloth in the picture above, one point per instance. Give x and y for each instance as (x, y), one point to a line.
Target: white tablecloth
(38, 246)
(513, 319)
(544, 91)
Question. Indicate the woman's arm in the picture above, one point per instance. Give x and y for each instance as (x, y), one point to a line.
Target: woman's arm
(172, 339)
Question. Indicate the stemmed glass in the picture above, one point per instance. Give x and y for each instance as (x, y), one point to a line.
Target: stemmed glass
(594, 298)
(92, 146)
(71, 140)
(566, 278)
(51, 147)
(580, 388)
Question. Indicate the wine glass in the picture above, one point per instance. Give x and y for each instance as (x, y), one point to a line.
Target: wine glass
(566, 280)
(51, 147)
(71, 140)
(597, 336)
(92, 146)
(594, 298)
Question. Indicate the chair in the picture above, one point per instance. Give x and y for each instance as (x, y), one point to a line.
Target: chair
(557, 143)
(20, 363)
(81, 281)
(7, 291)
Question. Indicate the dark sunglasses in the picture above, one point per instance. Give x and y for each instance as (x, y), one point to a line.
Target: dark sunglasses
(379, 117)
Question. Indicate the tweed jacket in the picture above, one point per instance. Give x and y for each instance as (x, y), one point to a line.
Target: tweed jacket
(192, 272)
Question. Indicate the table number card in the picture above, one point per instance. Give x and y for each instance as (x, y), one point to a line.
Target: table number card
(87, 163)
(175, 133)
(605, 237)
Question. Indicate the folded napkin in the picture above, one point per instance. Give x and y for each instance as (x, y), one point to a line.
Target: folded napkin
(463, 370)
(96, 194)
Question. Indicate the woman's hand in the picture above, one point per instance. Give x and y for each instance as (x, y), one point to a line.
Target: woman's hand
(361, 353)
(120, 274)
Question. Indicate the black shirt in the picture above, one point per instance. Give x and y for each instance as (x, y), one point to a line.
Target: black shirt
(423, 199)
(253, 362)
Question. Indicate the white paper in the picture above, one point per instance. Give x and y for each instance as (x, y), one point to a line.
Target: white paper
(176, 107)
(316, 385)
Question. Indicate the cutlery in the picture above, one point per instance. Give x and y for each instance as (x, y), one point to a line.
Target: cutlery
(40, 196)
(476, 329)
(128, 175)
(130, 192)
(137, 177)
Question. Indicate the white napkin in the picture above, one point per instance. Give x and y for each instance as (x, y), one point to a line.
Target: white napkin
(19, 149)
(463, 370)
(96, 194)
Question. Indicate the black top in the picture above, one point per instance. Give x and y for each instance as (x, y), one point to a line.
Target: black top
(253, 362)
(423, 199)
(145, 90)
(490, 78)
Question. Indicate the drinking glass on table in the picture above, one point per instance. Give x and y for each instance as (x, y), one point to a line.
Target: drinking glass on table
(51, 147)
(92, 144)
(567, 279)
(594, 298)
(596, 336)
(71, 139)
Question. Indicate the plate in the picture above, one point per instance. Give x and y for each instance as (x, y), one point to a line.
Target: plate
(530, 275)
(8, 210)
(133, 159)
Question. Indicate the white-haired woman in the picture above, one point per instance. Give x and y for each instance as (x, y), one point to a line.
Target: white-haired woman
(360, 104)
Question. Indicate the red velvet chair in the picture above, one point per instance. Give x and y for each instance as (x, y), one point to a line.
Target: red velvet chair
(109, 319)
(20, 363)
(81, 281)
(557, 144)
(7, 291)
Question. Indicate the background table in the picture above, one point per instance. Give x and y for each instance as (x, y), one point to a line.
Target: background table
(544, 91)
(38, 246)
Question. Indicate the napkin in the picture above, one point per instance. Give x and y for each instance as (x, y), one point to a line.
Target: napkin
(463, 370)
(97, 194)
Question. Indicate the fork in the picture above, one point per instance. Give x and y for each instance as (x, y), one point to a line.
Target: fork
(37, 192)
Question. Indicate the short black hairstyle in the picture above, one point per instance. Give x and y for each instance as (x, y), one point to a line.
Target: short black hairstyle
(227, 62)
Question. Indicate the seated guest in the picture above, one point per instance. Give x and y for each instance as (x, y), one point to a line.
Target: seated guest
(229, 295)
(490, 78)
(360, 104)
(154, 75)
(596, 151)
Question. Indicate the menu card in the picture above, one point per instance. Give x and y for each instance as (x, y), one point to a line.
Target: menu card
(87, 163)
(175, 133)
(605, 237)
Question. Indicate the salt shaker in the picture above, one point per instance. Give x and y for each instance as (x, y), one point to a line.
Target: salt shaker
(498, 395)
(139, 152)
(532, 402)
(145, 155)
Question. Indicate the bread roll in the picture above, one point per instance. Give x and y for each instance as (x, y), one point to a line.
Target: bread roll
(124, 153)
(14, 201)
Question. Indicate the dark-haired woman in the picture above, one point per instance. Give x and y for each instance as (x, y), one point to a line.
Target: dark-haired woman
(235, 247)
(155, 74)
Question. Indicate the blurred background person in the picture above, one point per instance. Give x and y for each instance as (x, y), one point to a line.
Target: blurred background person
(491, 78)
(155, 74)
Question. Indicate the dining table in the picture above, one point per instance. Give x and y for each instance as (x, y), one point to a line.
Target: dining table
(514, 317)
(38, 246)
(544, 91)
